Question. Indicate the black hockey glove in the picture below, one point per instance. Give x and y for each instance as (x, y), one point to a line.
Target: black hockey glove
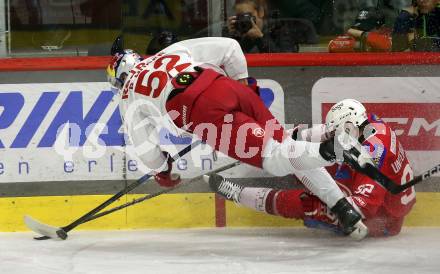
(350, 153)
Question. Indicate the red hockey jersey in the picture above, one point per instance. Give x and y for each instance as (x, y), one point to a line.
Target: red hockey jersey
(383, 211)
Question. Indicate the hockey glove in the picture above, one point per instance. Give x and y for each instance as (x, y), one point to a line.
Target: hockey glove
(166, 178)
(318, 215)
(317, 210)
(345, 148)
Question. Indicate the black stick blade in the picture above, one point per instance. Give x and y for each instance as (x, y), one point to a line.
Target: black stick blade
(42, 238)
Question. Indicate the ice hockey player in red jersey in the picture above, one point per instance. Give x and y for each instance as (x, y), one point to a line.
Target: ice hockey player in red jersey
(200, 87)
(383, 212)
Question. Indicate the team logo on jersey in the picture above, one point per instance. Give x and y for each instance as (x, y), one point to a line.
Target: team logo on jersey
(364, 190)
(379, 155)
(185, 79)
(375, 118)
(258, 132)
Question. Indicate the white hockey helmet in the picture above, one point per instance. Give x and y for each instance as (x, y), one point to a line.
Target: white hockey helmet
(347, 110)
(120, 66)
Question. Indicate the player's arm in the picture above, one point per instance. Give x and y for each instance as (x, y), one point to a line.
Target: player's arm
(379, 41)
(144, 137)
(219, 51)
(316, 133)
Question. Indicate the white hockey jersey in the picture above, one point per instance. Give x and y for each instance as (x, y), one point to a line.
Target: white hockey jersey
(145, 92)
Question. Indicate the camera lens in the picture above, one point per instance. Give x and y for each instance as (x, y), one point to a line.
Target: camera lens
(244, 22)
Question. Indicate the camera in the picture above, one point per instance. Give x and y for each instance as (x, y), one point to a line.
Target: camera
(244, 22)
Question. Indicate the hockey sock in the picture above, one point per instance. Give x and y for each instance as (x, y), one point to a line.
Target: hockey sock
(286, 203)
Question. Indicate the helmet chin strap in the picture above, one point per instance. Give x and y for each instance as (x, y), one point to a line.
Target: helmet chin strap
(119, 83)
(365, 132)
(116, 84)
(114, 90)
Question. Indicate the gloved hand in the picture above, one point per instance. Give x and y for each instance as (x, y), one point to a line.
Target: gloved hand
(166, 178)
(318, 215)
(317, 210)
(331, 150)
(345, 147)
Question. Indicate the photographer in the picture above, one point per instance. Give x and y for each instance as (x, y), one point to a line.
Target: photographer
(256, 34)
(418, 27)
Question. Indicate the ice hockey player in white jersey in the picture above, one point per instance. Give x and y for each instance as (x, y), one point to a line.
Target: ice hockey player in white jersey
(201, 87)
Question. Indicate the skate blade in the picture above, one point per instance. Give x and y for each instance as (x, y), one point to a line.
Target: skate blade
(360, 232)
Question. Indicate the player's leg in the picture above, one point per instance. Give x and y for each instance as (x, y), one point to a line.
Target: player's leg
(296, 204)
(217, 117)
(285, 203)
(247, 146)
(227, 106)
(283, 156)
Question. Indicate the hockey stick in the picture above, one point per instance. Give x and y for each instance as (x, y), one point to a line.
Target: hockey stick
(62, 233)
(370, 169)
(391, 186)
(151, 196)
(352, 155)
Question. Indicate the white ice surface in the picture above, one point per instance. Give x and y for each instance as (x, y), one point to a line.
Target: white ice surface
(220, 251)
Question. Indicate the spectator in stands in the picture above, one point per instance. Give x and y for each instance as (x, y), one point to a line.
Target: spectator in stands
(418, 27)
(258, 34)
(368, 33)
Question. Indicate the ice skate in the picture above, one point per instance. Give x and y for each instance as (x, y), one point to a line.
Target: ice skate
(350, 220)
(227, 189)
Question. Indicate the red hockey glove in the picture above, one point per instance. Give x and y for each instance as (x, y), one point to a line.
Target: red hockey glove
(318, 215)
(317, 210)
(166, 178)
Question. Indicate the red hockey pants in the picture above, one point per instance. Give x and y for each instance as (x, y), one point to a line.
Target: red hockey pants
(227, 115)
